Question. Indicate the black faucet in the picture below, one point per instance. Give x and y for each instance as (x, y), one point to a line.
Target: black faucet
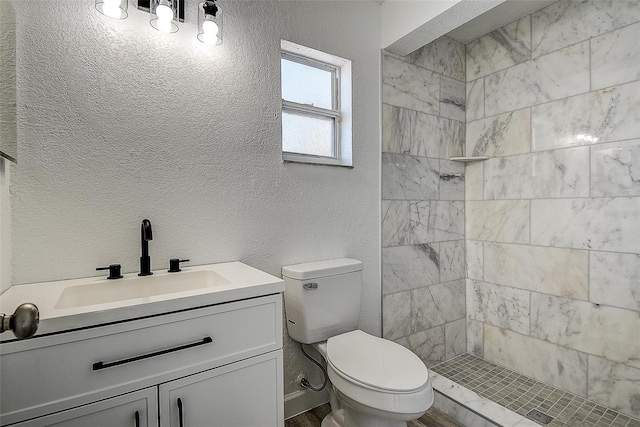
(145, 259)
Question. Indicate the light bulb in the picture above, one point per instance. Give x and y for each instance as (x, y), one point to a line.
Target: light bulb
(208, 38)
(164, 13)
(111, 8)
(111, 11)
(164, 26)
(210, 23)
(210, 28)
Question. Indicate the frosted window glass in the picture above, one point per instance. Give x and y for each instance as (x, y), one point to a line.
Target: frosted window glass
(306, 85)
(307, 134)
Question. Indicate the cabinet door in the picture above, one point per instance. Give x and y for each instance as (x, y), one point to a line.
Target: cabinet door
(139, 409)
(248, 393)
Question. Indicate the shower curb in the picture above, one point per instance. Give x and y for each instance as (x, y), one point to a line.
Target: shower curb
(470, 409)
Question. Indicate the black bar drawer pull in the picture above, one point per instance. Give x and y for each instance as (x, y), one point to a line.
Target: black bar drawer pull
(136, 418)
(102, 365)
(180, 413)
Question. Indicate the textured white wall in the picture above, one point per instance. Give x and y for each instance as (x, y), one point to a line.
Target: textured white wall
(118, 122)
(5, 227)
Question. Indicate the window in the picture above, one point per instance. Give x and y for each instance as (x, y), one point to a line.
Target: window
(316, 106)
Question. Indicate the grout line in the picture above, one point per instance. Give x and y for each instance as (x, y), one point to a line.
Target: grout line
(482, 262)
(532, 106)
(530, 314)
(598, 421)
(484, 98)
(440, 96)
(589, 38)
(531, 36)
(590, 412)
(590, 176)
(504, 243)
(544, 198)
(530, 221)
(590, 64)
(530, 400)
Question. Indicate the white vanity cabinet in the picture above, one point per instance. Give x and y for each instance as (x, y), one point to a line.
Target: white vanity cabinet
(224, 363)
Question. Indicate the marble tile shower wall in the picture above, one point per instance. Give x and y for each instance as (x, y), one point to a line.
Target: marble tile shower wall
(423, 115)
(553, 218)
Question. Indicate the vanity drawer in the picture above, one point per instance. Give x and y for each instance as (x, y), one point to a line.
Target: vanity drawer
(76, 368)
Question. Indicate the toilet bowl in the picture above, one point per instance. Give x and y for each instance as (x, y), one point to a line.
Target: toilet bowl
(377, 382)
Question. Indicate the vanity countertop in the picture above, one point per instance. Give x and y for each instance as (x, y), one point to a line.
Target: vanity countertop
(80, 303)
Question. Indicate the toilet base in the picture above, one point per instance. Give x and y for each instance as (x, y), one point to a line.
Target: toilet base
(333, 419)
(336, 417)
(348, 413)
(357, 418)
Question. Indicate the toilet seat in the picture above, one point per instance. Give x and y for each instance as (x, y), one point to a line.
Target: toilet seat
(379, 374)
(376, 363)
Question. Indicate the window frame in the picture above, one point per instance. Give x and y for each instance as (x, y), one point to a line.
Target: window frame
(335, 66)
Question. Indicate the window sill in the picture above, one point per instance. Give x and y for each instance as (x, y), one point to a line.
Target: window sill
(315, 160)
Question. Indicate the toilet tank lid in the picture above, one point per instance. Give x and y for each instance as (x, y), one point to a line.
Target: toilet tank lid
(314, 270)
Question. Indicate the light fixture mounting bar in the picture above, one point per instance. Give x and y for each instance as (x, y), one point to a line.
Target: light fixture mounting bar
(145, 5)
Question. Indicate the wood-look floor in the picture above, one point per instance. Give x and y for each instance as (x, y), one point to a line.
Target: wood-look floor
(313, 418)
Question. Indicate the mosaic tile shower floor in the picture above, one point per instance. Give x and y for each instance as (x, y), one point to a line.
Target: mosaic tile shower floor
(522, 394)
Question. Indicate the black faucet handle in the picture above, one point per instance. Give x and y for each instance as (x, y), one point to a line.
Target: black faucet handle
(114, 271)
(174, 264)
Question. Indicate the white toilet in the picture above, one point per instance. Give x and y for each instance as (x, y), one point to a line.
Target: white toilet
(374, 382)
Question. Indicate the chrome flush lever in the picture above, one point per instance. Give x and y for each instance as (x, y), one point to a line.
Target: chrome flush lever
(310, 286)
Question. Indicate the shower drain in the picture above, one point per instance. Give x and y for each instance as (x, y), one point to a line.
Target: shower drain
(540, 417)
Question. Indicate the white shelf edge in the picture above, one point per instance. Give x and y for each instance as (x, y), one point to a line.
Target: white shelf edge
(467, 159)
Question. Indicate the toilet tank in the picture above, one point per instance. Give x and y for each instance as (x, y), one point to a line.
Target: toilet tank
(322, 298)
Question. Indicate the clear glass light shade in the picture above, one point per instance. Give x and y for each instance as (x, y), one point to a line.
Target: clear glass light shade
(209, 23)
(116, 9)
(163, 16)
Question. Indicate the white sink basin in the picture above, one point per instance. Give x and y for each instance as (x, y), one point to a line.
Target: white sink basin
(131, 287)
(93, 301)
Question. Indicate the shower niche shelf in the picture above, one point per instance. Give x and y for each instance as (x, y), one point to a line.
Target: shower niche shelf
(468, 159)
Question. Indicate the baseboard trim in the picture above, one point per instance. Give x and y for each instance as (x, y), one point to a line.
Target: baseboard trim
(302, 400)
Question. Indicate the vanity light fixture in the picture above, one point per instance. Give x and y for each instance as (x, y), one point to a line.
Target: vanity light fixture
(209, 23)
(165, 15)
(116, 9)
